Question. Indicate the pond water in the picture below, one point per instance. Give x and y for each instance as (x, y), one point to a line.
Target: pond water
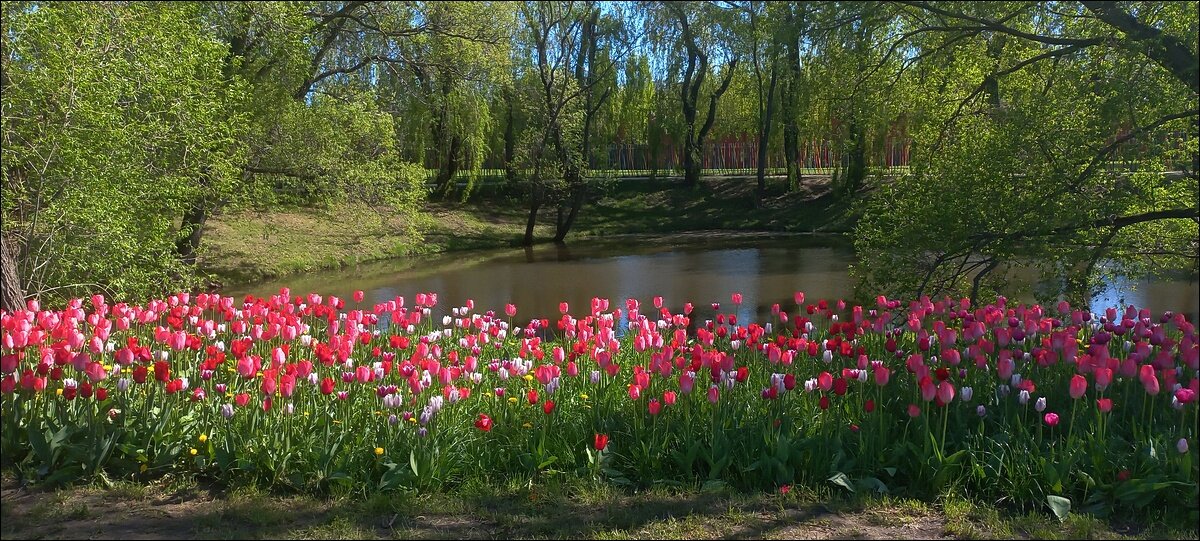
(697, 268)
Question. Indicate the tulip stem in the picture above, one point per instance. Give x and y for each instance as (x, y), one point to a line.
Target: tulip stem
(945, 421)
(1071, 429)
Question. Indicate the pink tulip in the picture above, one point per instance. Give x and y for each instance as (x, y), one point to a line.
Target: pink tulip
(945, 392)
(1104, 404)
(928, 389)
(882, 375)
(713, 394)
(1104, 378)
(1051, 419)
(914, 411)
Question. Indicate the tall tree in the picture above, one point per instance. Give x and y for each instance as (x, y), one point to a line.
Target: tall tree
(1021, 145)
(697, 32)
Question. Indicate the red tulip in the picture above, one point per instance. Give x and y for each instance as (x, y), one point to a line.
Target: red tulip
(242, 399)
(327, 385)
(1078, 386)
(532, 396)
(825, 381)
(669, 398)
(823, 403)
(1105, 405)
(839, 386)
(914, 411)
(484, 422)
(601, 442)
(869, 405)
(655, 406)
(162, 371)
(548, 406)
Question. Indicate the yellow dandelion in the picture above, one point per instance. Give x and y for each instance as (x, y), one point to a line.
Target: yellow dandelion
(203, 438)
(192, 451)
(511, 399)
(412, 420)
(379, 451)
(528, 377)
(583, 396)
(58, 391)
(526, 425)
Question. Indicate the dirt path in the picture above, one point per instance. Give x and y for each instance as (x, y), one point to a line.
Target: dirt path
(132, 512)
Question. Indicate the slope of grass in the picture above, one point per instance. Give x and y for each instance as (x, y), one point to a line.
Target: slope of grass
(253, 245)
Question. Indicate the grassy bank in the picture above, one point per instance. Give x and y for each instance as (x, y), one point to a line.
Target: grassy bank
(183, 509)
(255, 245)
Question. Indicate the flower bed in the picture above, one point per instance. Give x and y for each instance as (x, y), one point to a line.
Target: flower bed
(1023, 404)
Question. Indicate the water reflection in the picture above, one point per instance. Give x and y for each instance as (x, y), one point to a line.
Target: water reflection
(766, 270)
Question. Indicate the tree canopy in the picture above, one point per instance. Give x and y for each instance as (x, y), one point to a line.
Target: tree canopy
(1055, 134)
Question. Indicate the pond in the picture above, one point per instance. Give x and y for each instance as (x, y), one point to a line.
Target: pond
(701, 268)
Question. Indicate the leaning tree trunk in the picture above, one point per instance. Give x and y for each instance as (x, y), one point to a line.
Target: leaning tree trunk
(12, 297)
(764, 134)
(193, 222)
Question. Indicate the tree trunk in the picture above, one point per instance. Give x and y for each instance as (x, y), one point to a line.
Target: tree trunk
(564, 226)
(510, 145)
(856, 169)
(193, 222)
(12, 296)
(693, 160)
(535, 203)
(764, 134)
(789, 91)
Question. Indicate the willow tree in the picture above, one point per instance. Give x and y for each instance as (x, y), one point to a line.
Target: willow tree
(1059, 135)
(110, 115)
